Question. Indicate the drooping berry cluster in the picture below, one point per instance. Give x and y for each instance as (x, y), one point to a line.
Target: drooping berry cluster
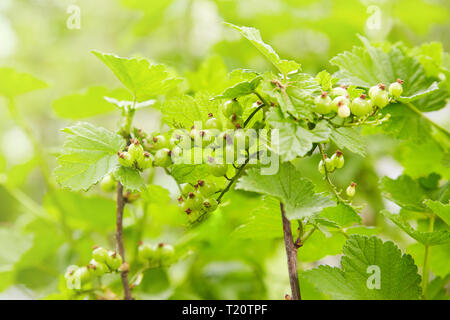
(197, 200)
(338, 100)
(330, 164)
(103, 261)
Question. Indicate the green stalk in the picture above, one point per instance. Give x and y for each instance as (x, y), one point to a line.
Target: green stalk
(426, 267)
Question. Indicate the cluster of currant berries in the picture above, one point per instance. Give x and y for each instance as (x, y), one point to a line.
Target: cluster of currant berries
(161, 254)
(197, 200)
(338, 101)
(103, 261)
(330, 164)
(135, 156)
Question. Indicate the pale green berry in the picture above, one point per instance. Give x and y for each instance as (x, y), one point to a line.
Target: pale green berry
(108, 183)
(114, 260)
(232, 107)
(321, 167)
(379, 96)
(147, 252)
(213, 123)
(338, 159)
(125, 159)
(396, 88)
(165, 253)
(70, 271)
(351, 190)
(343, 111)
(163, 158)
(339, 91)
(136, 151)
(360, 106)
(322, 103)
(206, 188)
(158, 142)
(210, 204)
(329, 165)
(100, 254)
(146, 162)
(97, 268)
(339, 101)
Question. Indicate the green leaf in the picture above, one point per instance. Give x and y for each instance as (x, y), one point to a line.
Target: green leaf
(81, 212)
(350, 139)
(183, 111)
(399, 279)
(143, 79)
(440, 209)
(405, 192)
(405, 124)
(319, 245)
(431, 238)
(130, 178)
(183, 173)
(324, 79)
(241, 89)
(343, 215)
(263, 223)
(211, 76)
(295, 141)
(254, 36)
(89, 153)
(87, 104)
(15, 83)
(296, 193)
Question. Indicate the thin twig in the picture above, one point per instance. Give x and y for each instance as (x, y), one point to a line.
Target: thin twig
(291, 254)
(230, 183)
(119, 239)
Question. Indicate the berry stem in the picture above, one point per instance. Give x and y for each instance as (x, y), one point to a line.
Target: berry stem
(235, 177)
(426, 271)
(291, 255)
(119, 239)
(252, 114)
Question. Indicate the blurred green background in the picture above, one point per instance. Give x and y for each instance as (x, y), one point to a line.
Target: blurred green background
(37, 244)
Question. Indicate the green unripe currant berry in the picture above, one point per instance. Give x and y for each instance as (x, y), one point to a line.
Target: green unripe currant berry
(338, 159)
(379, 96)
(339, 91)
(125, 159)
(146, 162)
(204, 138)
(70, 271)
(321, 167)
(360, 106)
(213, 123)
(210, 204)
(205, 188)
(163, 158)
(158, 142)
(339, 101)
(343, 111)
(114, 260)
(147, 252)
(108, 183)
(323, 103)
(100, 254)
(193, 201)
(166, 253)
(396, 88)
(186, 188)
(217, 170)
(351, 190)
(136, 151)
(232, 107)
(83, 274)
(97, 268)
(329, 165)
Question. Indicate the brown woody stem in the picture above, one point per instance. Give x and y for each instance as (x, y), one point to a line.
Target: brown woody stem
(119, 240)
(291, 253)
